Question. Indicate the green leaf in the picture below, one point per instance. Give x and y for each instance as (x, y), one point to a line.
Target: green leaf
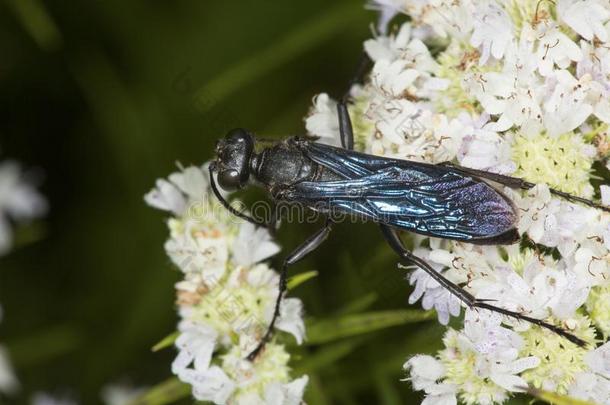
(166, 342)
(167, 392)
(327, 330)
(45, 345)
(556, 399)
(326, 356)
(359, 304)
(314, 394)
(29, 233)
(294, 282)
(386, 391)
(297, 42)
(36, 20)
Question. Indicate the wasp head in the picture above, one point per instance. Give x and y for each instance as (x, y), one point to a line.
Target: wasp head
(233, 155)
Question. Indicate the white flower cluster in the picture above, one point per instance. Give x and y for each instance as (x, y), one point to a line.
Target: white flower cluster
(521, 88)
(19, 202)
(226, 299)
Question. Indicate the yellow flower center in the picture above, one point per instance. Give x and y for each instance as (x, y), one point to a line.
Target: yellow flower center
(560, 162)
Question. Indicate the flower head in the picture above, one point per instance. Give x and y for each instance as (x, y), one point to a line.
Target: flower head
(19, 201)
(519, 88)
(480, 365)
(226, 299)
(553, 351)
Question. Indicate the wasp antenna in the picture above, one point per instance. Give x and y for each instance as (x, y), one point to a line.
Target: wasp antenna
(226, 204)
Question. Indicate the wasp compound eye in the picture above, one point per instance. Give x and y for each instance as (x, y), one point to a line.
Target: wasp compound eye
(229, 180)
(237, 135)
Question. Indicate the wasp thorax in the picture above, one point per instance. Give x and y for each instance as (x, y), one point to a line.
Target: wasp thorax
(233, 159)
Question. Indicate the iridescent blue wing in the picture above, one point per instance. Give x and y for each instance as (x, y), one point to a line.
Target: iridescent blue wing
(426, 199)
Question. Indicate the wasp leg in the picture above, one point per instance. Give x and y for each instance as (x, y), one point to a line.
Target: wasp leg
(311, 244)
(515, 182)
(345, 122)
(394, 240)
(345, 126)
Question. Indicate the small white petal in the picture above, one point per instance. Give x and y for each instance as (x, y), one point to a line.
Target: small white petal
(291, 319)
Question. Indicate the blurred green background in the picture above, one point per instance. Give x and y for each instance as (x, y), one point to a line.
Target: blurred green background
(106, 96)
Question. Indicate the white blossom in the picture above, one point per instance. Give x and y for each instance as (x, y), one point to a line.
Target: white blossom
(121, 394)
(323, 121)
(264, 381)
(389, 47)
(514, 95)
(498, 350)
(443, 18)
(226, 299)
(598, 360)
(166, 196)
(552, 48)
(388, 9)
(253, 245)
(566, 108)
(433, 295)
(19, 201)
(8, 380)
(594, 384)
(591, 387)
(543, 288)
(586, 17)
(196, 345)
(425, 373)
(485, 354)
(536, 210)
(594, 67)
(484, 149)
(493, 31)
(393, 78)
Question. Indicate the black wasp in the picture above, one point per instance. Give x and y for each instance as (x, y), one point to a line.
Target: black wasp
(443, 201)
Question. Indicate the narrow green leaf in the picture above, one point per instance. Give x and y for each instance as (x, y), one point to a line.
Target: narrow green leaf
(359, 304)
(167, 392)
(327, 330)
(29, 233)
(299, 41)
(38, 23)
(386, 391)
(556, 399)
(314, 394)
(166, 342)
(294, 282)
(327, 356)
(45, 345)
